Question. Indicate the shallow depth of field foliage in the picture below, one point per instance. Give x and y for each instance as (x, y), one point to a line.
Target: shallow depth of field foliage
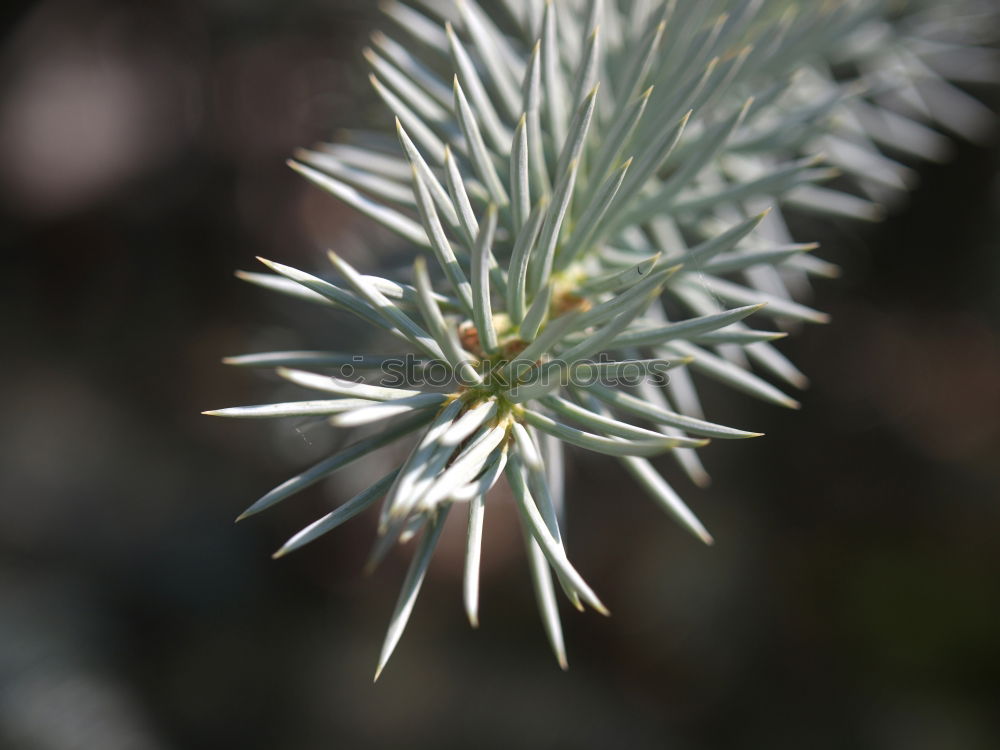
(589, 188)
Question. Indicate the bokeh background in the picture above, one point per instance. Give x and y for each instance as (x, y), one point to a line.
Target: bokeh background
(852, 598)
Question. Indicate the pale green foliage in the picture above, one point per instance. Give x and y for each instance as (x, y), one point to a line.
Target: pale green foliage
(591, 177)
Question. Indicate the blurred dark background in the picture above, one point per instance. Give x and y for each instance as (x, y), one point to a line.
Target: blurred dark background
(851, 599)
